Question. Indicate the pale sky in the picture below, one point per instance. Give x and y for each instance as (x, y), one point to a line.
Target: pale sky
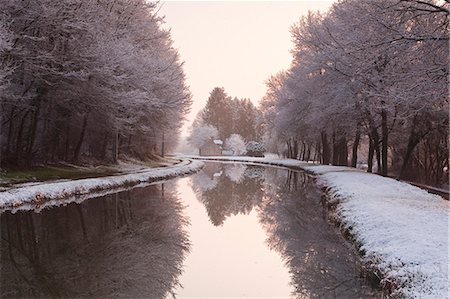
(233, 44)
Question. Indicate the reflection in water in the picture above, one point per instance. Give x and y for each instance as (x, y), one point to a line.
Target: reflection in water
(289, 207)
(130, 244)
(321, 264)
(229, 189)
(133, 244)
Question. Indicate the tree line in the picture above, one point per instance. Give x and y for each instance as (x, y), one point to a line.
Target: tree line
(233, 120)
(369, 75)
(87, 79)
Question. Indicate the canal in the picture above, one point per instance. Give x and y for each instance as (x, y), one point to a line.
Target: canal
(231, 230)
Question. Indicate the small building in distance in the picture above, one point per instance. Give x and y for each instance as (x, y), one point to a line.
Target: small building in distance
(211, 148)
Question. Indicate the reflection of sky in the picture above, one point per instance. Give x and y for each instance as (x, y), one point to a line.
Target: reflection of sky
(235, 224)
(231, 260)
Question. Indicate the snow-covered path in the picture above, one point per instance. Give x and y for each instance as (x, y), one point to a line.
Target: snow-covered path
(39, 193)
(402, 230)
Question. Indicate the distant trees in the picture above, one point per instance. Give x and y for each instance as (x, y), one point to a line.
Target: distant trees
(236, 143)
(238, 116)
(218, 112)
(202, 133)
(245, 119)
(255, 149)
(235, 120)
(366, 71)
(88, 78)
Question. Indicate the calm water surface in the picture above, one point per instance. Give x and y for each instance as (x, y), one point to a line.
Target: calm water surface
(232, 230)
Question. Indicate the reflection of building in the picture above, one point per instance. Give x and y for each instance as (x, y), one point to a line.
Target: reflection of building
(211, 148)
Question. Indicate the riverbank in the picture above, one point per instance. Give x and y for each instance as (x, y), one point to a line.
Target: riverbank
(400, 230)
(39, 193)
(86, 170)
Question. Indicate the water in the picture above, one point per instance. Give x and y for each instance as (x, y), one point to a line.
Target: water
(229, 231)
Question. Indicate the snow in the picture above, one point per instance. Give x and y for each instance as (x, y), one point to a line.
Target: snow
(269, 159)
(218, 141)
(402, 230)
(37, 194)
(322, 169)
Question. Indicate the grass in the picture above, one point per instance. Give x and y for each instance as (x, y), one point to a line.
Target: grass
(74, 172)
(45, 173)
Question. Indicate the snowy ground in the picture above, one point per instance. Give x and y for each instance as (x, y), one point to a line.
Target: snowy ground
(40, 193)
(402, 230)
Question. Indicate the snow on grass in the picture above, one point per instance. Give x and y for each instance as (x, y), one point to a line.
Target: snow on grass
(43, 192)
(322, 169)
(402, 230)
(270, 160)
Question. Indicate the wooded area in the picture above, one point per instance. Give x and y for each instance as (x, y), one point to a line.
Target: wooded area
(366, 74)
(87, 79)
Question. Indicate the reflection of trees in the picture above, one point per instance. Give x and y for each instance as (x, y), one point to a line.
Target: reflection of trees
(320, 263)
(130, 244)
(231, 195)
(235, 172)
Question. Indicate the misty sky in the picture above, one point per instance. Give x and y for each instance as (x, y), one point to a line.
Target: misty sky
(233, 44)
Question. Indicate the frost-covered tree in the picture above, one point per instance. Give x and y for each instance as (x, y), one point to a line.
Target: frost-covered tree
(255, 149)
(202, 133)
(366, 71)
(90, 78)
(6, 42)
(236, 143)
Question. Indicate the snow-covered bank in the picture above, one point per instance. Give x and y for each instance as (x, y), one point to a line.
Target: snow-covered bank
(269, 160)
(43, 192)
(402, 230)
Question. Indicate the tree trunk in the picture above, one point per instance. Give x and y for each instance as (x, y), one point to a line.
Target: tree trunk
(316, 150)
(370, 155)
(288, 151)
(355, 147)
(18, 152)
(67, 143)
(80, 140)
(376, 146)
(295, 154)
(325, 149)
(104, 146)
(10, 131)
(384, 143)
(303, 151)
(32, 132)
(129, 143)
(308, 153)
(342, 152)
(413, 140)
(163, 150)
(335, 156)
